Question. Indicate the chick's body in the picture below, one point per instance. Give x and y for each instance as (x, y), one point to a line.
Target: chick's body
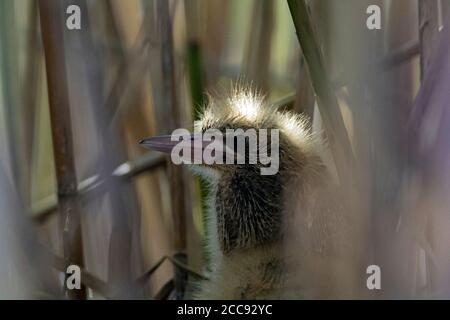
(264, 239)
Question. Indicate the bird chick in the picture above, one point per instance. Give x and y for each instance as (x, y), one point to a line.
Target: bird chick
(254, 220)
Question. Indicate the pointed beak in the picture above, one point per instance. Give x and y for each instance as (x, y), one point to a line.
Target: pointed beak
(166, 143)
(159, 143)
(193, 142)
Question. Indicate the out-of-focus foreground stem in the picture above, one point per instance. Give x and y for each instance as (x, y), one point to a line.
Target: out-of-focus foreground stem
(326, 98)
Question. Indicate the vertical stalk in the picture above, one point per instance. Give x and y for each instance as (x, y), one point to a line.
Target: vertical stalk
(123, 213)
(173, 117)
(326, 98)
(52, 26)
(428, 32)
(9, 72)
(304, 98)
(445, 7)
(195, 26)
(257, 56)
(195, 73)
(428, 35)
(31, 95)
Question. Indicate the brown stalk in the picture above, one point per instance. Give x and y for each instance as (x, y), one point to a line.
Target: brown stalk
(172, 116)
(52, 27)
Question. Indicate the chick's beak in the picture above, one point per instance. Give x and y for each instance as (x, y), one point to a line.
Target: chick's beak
(159, 143)
(166, 143)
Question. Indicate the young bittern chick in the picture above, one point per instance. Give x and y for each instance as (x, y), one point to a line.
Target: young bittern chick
(260, 236)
